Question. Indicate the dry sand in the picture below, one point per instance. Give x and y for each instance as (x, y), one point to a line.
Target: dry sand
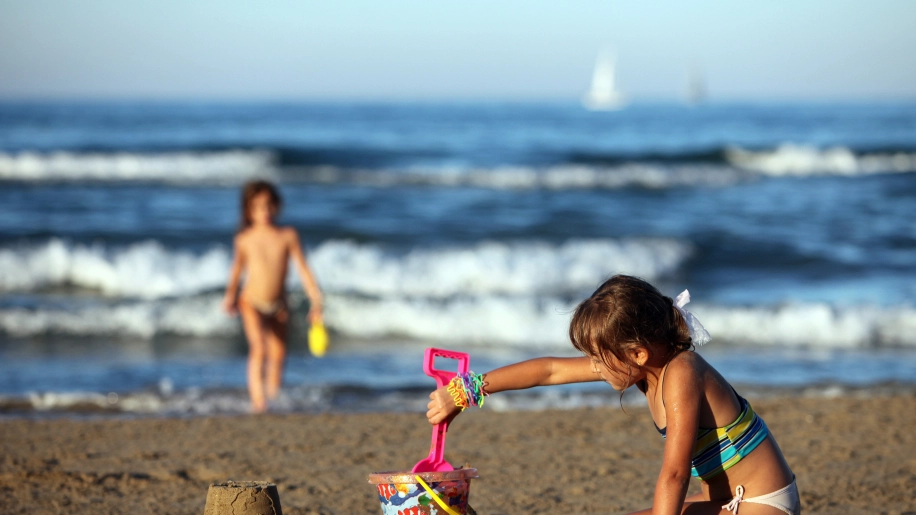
(850, 455)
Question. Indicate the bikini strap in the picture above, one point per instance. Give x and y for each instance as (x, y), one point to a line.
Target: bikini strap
(741, 400)
(661, 379)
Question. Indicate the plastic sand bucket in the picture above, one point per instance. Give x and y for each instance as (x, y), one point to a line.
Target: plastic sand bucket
(435, 493)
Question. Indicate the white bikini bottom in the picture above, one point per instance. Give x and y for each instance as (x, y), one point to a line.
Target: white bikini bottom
(785, 499)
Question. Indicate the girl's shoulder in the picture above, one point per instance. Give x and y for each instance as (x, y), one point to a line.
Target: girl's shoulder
(242, 236)
(289, 232)
(686, 361)
(687, 367)
(694, 375)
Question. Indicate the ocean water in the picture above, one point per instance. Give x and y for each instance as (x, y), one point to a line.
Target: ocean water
(474, 227)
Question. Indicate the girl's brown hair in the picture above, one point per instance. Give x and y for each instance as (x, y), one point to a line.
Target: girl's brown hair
(627, 312)
(249, 192)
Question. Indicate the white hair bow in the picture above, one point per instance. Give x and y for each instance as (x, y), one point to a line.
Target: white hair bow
(698, 333)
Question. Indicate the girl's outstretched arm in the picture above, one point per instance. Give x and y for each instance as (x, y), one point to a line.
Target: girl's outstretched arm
(527, 374)
(682, 390)
(230, 299)
(309, 284)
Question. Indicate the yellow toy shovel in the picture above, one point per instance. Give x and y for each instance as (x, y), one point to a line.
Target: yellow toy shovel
(318, 339)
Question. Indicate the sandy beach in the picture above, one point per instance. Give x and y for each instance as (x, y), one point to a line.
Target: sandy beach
(851, 455)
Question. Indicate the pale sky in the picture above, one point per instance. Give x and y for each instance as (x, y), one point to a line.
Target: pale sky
(470, 49)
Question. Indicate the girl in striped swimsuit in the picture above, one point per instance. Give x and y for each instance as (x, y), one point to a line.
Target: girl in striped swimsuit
(632, 335)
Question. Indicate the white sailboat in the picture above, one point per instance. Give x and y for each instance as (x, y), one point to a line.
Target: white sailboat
(603, 95)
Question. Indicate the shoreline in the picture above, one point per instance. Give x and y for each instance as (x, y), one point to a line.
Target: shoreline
(317, 399)
(851, 455)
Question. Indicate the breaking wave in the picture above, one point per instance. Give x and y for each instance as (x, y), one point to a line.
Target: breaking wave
(802, 160)
(559, 177)
(520, 268)
(229, 166)
(196, 316)
(811, 324)
(716, 167)
(543, 322)
(145, 270)
(488, 320)
(488, 293)
(149, 270)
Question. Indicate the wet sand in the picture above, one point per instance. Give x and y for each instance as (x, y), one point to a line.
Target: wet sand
(851, 455)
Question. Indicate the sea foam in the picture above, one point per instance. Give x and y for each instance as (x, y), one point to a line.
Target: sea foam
(196, 316)
(229, 166)
(524, 267)
(731, 164)
(150, 270)
(557, 177)
(489, 293)
(543, 322)
(804, 160)
(528, 321)
(146, 270)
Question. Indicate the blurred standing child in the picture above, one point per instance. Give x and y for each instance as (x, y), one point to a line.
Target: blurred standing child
(263, 251)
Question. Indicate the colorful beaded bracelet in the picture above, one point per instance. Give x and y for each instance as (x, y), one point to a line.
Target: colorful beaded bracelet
(467, 390)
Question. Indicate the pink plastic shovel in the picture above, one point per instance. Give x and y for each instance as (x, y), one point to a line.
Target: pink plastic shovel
(435, 461)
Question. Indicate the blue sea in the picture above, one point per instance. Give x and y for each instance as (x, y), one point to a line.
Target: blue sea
(468, 226)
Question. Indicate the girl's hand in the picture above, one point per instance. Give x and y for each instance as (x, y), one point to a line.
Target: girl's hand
(442, 407)
(315, 314)
(230, 306)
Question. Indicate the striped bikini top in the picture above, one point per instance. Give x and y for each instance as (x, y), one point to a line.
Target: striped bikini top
(718, 449)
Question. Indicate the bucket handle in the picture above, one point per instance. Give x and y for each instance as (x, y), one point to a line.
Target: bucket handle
(448, 509)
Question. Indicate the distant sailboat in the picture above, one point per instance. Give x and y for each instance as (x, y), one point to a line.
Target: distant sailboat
(603, 95)
(696, 87)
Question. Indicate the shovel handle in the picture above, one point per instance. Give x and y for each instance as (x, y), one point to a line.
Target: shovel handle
(442, 377)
